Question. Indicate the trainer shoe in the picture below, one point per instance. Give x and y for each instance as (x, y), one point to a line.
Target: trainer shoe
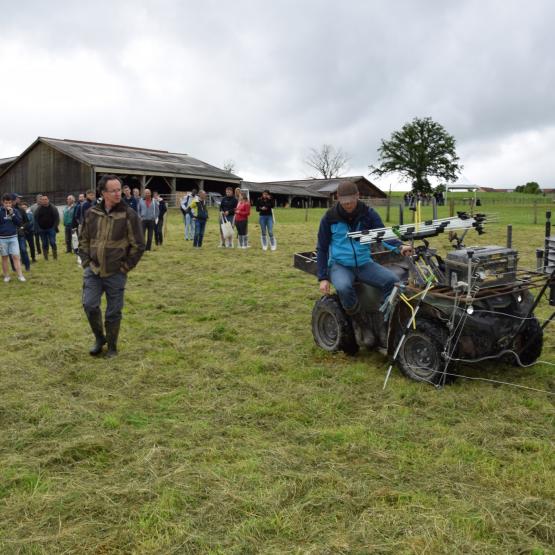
(21, 278)
(6, 279)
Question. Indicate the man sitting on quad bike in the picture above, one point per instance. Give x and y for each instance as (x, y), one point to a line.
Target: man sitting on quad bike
(341, 259)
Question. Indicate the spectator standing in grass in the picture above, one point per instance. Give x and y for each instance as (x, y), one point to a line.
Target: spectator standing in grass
(111, 244)
(159, 227)
(185, 207)
(148, 213)
(10, 220)
(47, 218)
(23, 254)
(242, 213)
(227, 214)
(265, 206)
(200, 216)
(129, 199)
(68, 214)
(36, 236)
(29, 229)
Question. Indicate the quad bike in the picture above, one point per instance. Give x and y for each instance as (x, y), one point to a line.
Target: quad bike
(473, 305)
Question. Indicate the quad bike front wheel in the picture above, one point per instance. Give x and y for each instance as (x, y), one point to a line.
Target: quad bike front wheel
(420, 357)
(528, 343)
(331, 327)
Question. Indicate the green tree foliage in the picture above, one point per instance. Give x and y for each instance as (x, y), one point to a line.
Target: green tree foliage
(421, 149)
(531, 188)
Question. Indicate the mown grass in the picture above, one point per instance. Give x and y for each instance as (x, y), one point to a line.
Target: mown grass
(222, 428)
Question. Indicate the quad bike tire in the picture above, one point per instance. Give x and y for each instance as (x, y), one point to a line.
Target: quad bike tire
(420, 357)
(528, 343)
(331, 327)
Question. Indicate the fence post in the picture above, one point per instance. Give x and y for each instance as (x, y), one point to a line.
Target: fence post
(535, 212)
(509, 236)
(434, 208)
(401, 219)
(451, 207)
(387, 212)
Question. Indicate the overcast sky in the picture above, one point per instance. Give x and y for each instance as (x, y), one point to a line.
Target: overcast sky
(260, 82)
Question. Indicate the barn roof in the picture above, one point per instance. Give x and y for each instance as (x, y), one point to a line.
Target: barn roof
(6, 161)
(120, 158)
(322, 188)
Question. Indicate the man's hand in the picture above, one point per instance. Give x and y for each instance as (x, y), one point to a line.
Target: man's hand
(405, 250)
(325, 287)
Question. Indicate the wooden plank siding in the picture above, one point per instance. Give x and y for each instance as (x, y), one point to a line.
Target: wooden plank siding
(46, 170)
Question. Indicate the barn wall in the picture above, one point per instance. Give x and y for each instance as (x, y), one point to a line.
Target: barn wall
(44, 169)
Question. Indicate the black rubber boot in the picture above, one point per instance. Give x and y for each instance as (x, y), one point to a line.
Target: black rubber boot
(55, 253)
(95, 321)
(362, 326)
(45, 254)
(112, 333)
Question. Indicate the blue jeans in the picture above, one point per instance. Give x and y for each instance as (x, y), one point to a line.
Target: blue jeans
(371, 273)
(266, 224)
(189, 229)
(200, 225)
(48, 236)
(23, 252)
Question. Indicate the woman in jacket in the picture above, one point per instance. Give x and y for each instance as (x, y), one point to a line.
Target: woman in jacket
(242, 213)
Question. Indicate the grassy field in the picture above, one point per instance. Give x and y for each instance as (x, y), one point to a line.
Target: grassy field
(222, 428)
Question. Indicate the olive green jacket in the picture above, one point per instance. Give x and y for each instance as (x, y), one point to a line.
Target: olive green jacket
(111, 242)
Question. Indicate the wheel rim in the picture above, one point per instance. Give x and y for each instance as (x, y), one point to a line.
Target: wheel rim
(421, 356)
(327, 329)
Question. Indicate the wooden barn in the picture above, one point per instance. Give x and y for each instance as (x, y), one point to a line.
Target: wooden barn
(311, 192)
(60, 166)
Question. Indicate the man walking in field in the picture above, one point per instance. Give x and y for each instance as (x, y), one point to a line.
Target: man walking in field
(111, 244)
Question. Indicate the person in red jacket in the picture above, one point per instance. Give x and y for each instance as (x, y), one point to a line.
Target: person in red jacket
(242, 213)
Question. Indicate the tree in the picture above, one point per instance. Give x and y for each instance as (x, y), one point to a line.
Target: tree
(531, 188)
(229, 166)
(329, 162)
(421, 149)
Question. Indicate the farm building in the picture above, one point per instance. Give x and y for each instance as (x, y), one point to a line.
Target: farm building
(314, 192)
(60, 166)
(5, 162)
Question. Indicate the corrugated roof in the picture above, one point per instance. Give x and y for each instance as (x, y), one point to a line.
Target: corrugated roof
(321, 188)
(4, 161)
(121, 157)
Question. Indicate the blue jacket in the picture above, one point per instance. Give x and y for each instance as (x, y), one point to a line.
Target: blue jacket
(335, 247)
(9, 224)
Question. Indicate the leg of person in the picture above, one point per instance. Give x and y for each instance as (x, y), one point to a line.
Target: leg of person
(376, 275)
(5, 268)
(185, 226)
(197, 232)
(37, 239)
(17, 265)
(161, 230)
(273, 243)
(23, 253)
(263, 221)
(247, 246)
(44, 242)
(67, 237)
(92, 292)
(30, 238)
(52, 239)
(114, 287)
(202, 227)
(343, 280)
(189, 227)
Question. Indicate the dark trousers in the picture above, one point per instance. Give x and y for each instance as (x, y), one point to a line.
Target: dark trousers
(67, 234)
(159, 231)
(48, 237)
(36, 235)
(148, 228)
(242, 227)
(113, 286)
(200, 226)
(30, 237)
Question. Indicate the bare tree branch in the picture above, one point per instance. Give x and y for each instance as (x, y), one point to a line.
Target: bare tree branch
(327, 161)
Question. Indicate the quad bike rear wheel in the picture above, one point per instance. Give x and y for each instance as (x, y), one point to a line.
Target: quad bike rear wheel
(331, 328)
(528, 343)
(420, 357)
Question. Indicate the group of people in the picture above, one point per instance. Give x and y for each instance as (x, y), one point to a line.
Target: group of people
(234, 212)
(411, 199)
(25, 232)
